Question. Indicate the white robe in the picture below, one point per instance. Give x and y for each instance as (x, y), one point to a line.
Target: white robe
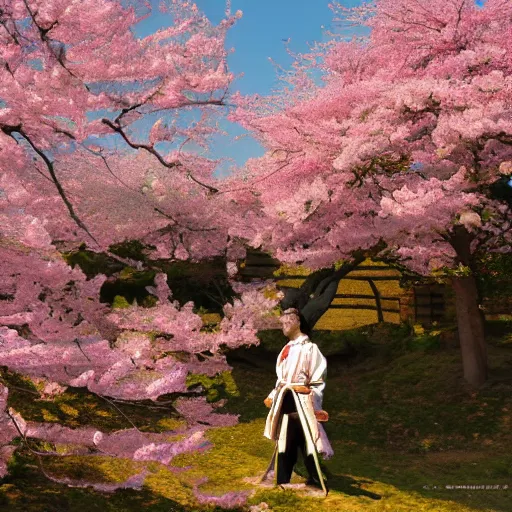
(305, 365)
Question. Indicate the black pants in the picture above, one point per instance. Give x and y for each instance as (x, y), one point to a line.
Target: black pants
(295, 441)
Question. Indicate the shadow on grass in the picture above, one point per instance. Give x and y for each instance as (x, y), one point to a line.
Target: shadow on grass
(350, 486)
(26, 489)
(78, 407)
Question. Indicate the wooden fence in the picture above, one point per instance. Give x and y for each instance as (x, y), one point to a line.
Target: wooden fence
(371, 293)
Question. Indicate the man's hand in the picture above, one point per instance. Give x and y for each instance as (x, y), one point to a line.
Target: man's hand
(268, 402)
(322, 416)
(303, 390)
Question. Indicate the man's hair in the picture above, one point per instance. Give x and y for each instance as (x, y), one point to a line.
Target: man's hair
(304, 326)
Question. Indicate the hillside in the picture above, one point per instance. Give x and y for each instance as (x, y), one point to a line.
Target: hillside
(402, 423)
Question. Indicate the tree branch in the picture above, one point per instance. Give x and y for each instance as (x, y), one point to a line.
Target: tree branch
(150, 149)
(61, 55)
(56, 182)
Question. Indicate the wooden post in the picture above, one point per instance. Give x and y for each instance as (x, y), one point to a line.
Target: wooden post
(380, 315)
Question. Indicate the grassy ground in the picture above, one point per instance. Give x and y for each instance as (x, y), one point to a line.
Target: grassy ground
(402, 423)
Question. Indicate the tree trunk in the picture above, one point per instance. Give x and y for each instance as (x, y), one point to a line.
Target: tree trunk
(470, 318)
(317, 292)
(471, 330)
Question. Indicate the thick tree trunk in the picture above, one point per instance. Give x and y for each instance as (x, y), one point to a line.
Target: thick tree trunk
(317, 292)
(471, 330)
(470, 319)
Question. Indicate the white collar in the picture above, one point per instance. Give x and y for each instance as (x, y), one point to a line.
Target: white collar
(303, 338)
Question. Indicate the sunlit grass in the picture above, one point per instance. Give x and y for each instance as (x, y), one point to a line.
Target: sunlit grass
(402, 423)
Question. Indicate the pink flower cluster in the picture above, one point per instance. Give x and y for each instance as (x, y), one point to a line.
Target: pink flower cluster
(399, 142)
(233, 499)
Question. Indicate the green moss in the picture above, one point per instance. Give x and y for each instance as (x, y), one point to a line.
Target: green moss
(205, 283)
(26, 489)
(131, 285)
(220, 386)
(170, 424)
(97, 469)
(120, 302)
(132, 249)
(69, 410)
(93, 263)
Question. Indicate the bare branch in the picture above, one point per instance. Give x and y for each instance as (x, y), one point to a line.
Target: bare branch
(61, 55)
(150, 149)
(139, 192)
(262, 178)
(56, 182)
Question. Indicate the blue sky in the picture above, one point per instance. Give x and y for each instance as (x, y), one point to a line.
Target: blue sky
(259, 34)
(257, 37)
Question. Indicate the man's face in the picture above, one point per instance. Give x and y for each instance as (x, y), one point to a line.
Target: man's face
(290, 324)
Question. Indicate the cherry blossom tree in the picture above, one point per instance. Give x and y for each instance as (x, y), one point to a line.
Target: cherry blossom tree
(99, 139)
(73, 72)
(392, 153)
(54, 328)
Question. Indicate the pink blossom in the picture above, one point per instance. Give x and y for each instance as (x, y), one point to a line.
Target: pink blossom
(395, 143)
(233, 499)
(194, 409)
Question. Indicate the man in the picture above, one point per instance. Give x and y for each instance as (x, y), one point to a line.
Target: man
(296, 403)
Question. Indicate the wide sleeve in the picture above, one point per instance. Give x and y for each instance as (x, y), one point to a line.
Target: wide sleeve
(317, 373)
(279, 373)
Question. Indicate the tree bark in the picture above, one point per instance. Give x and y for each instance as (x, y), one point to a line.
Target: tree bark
(471, 330)
(470, 318)
(317, 292)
